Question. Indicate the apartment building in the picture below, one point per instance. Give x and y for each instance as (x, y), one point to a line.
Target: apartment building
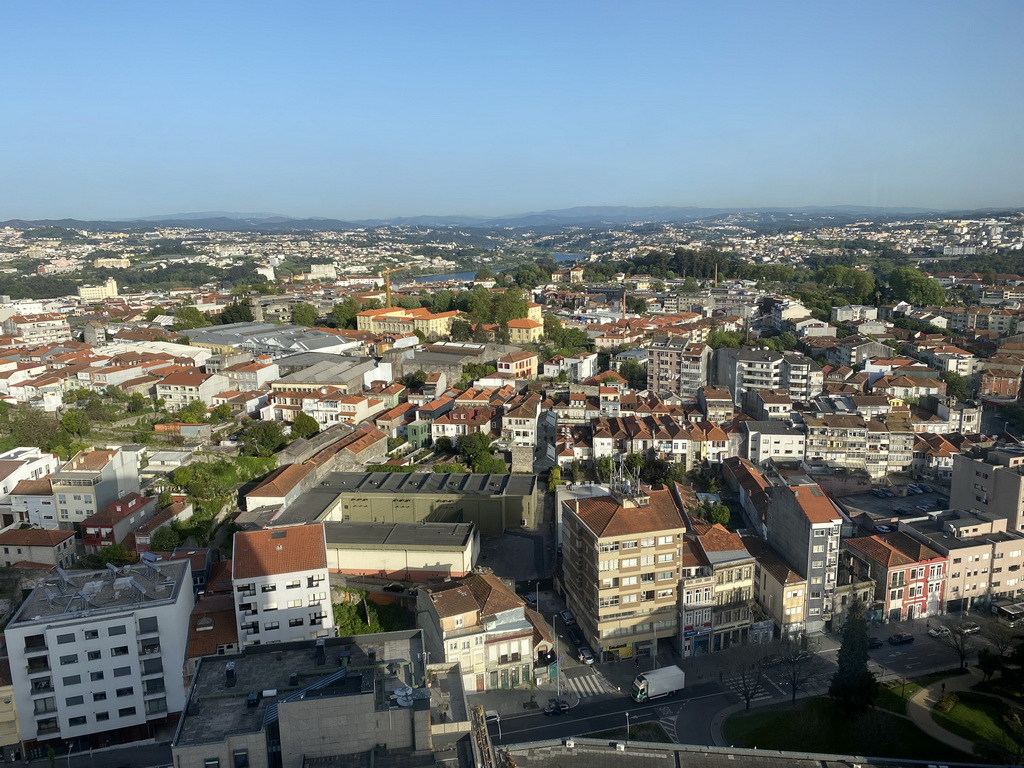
(744, 369)
(36, 330)
(96, 656)
(281, 585)
(986, 561)
(518, 365)
(481, 624)
(400, 320)
(765, 440)
(16, 465)
(676, 364)
(990, 480)
(621, 559)
(768, 405)
(909, 576)
(803, 527)
(179, 389)
(778, 589)
(89, 482)
(37, 547)
(836, 439)
(525, 331)
(519, 420)
(732, 571)
(463, 421)
(853, 313)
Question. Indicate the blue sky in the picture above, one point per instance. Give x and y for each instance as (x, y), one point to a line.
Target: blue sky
(400, 108)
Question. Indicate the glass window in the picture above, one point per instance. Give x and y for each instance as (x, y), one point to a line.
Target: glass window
(122, 671)
(74, 701)
(148, 624)
(93, 655)
(99, 696)
(74, 721)
(121, 650)
(94, 676)
(122, 692)
(126, 712)
(68, 638)
(92, 634)
(120, 630)
(102, 717)
(69, 659)
(72, 680)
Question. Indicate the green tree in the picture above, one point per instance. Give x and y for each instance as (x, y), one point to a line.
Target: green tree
(720, 339)
(165, 499)
(635, 305)
(484, 274)
(187, 318)
(512, 304)
(164, 539)
(193, 413)
(263, 438)
(473, 445)
(635, 373)
(75, 422)
(115, 554)
(634, 462)
(577, 470)
(137, 402)
(443, 444)
(153, 313)
(344, 314)
(909, 284)
(605, 466)
(304, 313)
(221, 413)
(33, 427)
(854, 685)
(304, 426)
(416, 379)
(956, 385)
(237, 312)
(719, 514)
(461, 330)
(554, 478)
(486, 463)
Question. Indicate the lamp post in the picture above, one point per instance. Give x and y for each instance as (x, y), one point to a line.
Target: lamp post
(627, 729)
(70, 746)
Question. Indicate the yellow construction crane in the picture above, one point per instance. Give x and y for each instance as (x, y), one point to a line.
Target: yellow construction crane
(387, 279)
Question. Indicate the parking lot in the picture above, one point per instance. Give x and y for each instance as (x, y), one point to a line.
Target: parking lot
(884, 507)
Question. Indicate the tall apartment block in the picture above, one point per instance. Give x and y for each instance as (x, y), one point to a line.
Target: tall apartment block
(678, 365)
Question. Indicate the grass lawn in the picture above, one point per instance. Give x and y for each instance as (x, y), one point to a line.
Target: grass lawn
(978, 718)
(642, 732)
(815, 725)
(893, 695)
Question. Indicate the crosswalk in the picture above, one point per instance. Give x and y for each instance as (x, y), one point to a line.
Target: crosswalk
(766, 690)
(587, 685)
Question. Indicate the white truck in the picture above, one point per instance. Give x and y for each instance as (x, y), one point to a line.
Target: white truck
(658, 682)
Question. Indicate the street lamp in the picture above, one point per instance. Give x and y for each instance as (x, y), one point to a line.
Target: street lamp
(70, 746)
(627, 729)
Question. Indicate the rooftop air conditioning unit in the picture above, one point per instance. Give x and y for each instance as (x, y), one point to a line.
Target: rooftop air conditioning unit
(620, 747)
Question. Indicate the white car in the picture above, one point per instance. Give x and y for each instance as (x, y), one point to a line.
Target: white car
(938, 632)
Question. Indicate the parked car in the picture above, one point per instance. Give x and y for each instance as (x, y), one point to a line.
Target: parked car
(884, 529)
(394, 587)
(576, 636)
(938, 631)
(913, 490)
(926, 488)
(586, 656)
(557, 707)
(878, 493)
(874, 642)
(888, 494)
(530, 599)
(968, 628)
(492, 716)
(567, 617)
(901, 638)
(772, 661)
(800, 657)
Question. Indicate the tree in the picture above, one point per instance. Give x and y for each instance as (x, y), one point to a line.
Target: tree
(415, 380)
(956, 385)
(910, 285)
(489, 464)
(484, 274)
(263, 438)
(164, 539)
(635, 305)
(854, 685)
(187, 318)
(554, 478)
(634, 463)
(221, 413)
(344, 314)
(577, 470)
(461, 330)
(304, 426)
(798, 669)
(605, 466)
(635, 373)
(237, 312)
(165, 499)
(989, 663)
(304, 313)
(512, 304)
(960, 643)
(115, 554)
(137, 402)
(719, 514)
(33, 427)
(720, 339)
(193, 413)
(473, 445)
(746, 673)
(443, 444)
(75, 422)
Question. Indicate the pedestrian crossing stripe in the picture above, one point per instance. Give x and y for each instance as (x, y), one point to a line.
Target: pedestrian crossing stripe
(589, 685)
(736, 685)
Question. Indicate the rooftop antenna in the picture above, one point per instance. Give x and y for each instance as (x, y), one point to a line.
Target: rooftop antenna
(65, 580)
(50, 597)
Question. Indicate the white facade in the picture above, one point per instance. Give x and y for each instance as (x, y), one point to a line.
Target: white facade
(100, 651)
(91, 481)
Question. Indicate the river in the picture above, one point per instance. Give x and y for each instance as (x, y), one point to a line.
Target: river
(470, 274)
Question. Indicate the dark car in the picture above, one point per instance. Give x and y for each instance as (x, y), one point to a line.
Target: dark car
(772, 661)
(394, 587)
(926, 488)
(576, 635)
(557, 707)
(968, 628)
(799, 657)
(874, 642)
(901, 638)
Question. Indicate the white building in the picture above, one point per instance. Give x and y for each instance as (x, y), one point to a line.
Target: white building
(91, 481)
(16, 465)
(281, 585)
(100, 651)
(180, 389)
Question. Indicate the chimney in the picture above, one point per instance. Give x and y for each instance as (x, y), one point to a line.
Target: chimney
(229, 672)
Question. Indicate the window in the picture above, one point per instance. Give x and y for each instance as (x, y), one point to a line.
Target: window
(647, 560)
(629, 562)
(122, 671)
(121, 650)
(92, 634)
(458, 621)
(211, 762)
(628, 581)
(294, 603)
(627, 599)
(295, 622)
(99, 696)
(152, 666)
(126, 712)
(122, 692)
(94, 676)
(665, 575)
(241, 758)
(69, 659)
(93, 655)
(148, 624)
(74, 701)
(293, 584)
(102, 717)
(270, 626)
(628, 545)
(665, 539)
(72, 680)
(268, 588)
(68, 638)
(608, 565)
(72, 722)
(666, 558)
(112, 631)
(647, 542)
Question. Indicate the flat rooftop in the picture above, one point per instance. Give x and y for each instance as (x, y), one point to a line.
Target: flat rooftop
(66, 595)
(934, 530)
(415, 536)
(310, 505)
(218, 709)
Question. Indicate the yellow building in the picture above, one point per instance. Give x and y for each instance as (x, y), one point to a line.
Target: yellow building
(401, 320)
(525, 331)
(10, 735)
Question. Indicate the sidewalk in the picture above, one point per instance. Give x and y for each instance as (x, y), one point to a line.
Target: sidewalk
(919, 708)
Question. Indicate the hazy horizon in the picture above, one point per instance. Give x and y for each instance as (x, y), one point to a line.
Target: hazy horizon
(376, 111)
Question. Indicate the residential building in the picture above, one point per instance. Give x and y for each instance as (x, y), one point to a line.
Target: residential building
(37, 546)
(399, 320)
(114, 523)
(839, 440)
(36, 330)
(10, 734)
(992, 481)
(778, 589)
(743, 369)
(180, 389)
(281, 585)
(732, 569)
(677, 365)
(518, 365)
(853, 313)
(803, 527)
(621, 560)
(98, 293)
(765, 440)
(482, 625)
(16, 465)
(90, 481)
(525, 331)
(985, 559)
(96, 655)
(909, 576)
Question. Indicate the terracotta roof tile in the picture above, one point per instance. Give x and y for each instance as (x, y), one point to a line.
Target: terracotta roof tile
(279, 550)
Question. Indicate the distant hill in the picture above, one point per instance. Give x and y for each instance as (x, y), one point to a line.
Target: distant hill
(209, 215)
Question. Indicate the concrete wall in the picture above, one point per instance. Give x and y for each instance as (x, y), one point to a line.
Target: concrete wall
(490, 514)
(403, 564)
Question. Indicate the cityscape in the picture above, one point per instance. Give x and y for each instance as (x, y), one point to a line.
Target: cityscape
(411, 385)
